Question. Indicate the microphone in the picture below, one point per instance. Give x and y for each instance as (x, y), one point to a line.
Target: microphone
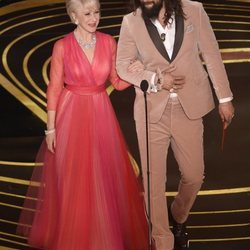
(144, 85)
(144, 88)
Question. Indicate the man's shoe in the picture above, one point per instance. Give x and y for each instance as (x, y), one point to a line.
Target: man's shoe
(180, 233)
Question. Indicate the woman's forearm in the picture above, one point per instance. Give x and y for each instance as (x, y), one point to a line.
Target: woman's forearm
(51, 114)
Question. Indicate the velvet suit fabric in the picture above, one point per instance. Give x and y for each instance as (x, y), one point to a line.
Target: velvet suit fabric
(176, 122)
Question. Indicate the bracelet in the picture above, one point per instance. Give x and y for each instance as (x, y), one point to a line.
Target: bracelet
(49, 131)
(153, 88)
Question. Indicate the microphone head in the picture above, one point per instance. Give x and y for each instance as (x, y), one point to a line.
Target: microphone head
(144, 85)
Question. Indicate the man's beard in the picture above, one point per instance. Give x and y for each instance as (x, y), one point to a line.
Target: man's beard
(153, 12)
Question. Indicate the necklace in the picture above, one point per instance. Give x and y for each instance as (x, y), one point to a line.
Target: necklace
(84, 45)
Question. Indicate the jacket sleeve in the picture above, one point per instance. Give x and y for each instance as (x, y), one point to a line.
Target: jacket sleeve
(211, 55)
(127, 52)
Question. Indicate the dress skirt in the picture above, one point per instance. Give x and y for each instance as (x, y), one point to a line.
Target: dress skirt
(85, 196)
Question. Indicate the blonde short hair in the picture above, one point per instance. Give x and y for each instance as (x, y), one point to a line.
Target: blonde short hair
(72, 5)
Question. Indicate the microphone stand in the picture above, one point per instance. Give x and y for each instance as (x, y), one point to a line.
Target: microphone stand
(144, 88)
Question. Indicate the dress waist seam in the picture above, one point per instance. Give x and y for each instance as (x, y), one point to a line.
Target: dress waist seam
(92, 90)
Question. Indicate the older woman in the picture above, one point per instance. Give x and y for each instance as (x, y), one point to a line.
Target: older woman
(89, 196)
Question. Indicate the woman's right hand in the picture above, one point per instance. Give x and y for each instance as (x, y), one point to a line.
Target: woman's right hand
(51, 142)
(136, 66)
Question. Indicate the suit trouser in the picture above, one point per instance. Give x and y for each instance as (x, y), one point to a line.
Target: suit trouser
(186, 139)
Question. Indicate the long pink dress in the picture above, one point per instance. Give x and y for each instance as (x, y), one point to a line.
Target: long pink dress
(89, 197)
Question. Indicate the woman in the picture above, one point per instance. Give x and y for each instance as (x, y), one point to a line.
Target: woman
(89, 196)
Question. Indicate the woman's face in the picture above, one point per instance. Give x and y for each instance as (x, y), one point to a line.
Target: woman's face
(87, 16)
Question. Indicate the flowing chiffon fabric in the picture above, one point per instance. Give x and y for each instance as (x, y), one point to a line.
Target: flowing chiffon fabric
(86, 195)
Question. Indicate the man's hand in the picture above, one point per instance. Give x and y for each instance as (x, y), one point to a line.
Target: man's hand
(226, 111)
(171, 82)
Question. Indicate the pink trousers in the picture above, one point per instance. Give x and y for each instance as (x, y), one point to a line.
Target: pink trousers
(185, 137)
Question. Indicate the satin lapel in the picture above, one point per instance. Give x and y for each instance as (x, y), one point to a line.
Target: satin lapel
(179, 33)
(154, 35)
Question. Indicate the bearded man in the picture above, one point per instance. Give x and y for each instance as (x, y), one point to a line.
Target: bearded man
(173, 38)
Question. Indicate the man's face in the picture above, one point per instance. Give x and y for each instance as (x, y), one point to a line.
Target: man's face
(151, 8)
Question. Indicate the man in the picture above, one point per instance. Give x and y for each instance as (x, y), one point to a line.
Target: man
(170, 37)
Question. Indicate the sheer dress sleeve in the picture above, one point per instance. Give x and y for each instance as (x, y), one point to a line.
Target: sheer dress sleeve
(56, 83)
(115, 80)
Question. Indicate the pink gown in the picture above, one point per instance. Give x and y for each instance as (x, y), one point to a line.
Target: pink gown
(88, 197)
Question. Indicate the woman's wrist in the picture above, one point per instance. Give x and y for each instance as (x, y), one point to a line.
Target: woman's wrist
(49, 131)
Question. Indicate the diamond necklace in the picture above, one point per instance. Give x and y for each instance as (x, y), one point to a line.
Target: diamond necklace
(86, 45)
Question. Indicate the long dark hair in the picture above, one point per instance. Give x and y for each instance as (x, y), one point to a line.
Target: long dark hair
(172, 6)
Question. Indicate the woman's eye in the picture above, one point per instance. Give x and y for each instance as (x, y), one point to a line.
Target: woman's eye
(87, 14)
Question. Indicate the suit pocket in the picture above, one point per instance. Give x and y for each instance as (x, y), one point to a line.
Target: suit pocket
(189, 28)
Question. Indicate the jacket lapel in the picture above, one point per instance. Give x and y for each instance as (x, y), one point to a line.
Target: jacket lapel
(179, 33)
(155, 37)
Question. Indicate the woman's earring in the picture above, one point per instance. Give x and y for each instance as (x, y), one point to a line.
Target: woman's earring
(76, 22)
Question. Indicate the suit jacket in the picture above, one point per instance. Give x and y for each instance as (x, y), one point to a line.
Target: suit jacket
(194, 38)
